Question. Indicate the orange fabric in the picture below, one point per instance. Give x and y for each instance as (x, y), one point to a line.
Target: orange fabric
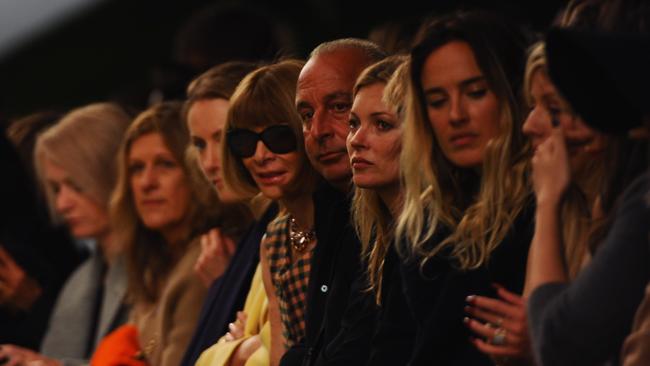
(120, 347)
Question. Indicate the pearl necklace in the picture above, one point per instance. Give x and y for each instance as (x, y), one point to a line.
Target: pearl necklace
(299, 238)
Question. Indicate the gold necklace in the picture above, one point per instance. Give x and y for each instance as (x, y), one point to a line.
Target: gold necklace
(299, 238)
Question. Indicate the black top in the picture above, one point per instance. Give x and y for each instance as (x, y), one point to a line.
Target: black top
(585, 322)
(335, 264)
(436, 295)
(371, 334)
(227, 293)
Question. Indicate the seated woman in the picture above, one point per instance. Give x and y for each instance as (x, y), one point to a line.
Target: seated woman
(584, 321)
(161, 205)
(206, 109)
(374, 144)
(586, 149)
(467, 216)
(264, 153)
(75, 164)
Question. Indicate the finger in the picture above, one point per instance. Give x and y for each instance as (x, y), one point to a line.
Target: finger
(487, 317)
(508, 296)
(229, 337)
(491, 349)
(493, 305)
(229, 244)
(204, 242)
(488, 332)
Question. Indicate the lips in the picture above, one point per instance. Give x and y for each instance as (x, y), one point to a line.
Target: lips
(270, 177)
(152, 202)
(360, 163)
(463, 139)
(331, 156)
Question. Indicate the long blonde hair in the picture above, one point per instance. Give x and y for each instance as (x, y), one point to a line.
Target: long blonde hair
(478, 211)
(372, 219)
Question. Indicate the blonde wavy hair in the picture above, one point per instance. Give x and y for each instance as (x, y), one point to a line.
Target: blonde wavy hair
(438, 194)
(372, 219)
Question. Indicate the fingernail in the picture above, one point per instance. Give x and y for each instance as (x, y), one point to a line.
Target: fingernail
(466, 320)
(470, 298)
(467, 309)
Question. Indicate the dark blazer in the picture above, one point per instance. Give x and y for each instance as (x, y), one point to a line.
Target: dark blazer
(335, 264)
(227, 294)
(436, 295)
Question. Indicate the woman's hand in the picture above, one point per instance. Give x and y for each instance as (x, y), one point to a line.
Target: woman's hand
(500, 324)
(11, 355)
(237, 327)
(216, 251)
(551, 171)
(17, 289)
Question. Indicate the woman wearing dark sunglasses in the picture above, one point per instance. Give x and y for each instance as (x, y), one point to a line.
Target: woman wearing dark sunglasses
(264, 153)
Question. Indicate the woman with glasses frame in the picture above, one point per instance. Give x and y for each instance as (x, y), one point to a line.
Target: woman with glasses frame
(264, 153)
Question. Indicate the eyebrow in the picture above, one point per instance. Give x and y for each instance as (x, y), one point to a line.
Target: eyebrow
(463, 84)
(330, 97)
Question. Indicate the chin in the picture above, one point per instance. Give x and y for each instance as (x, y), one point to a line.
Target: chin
(337, 173)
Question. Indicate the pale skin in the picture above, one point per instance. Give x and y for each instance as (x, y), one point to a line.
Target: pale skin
(205, 120)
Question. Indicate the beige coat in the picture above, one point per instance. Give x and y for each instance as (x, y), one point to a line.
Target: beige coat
(166, 327)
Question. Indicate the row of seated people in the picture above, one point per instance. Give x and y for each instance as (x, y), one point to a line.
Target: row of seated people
(477, 201)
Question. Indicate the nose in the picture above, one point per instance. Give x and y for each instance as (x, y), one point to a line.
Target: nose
(357, 140)
(535, 123)
(148, 179)
(457, 110)
(321, 126)
(64, 200)
(262, 154)
(210, 158)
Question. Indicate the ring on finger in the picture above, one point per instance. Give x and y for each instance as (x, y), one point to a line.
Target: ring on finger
(499, 337)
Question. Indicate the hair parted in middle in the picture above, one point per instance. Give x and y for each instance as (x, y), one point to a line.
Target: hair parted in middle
(479, 209)
(265, 97)
(149, 257)
(372, 219)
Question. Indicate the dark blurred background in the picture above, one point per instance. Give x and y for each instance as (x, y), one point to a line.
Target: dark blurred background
(139, 51)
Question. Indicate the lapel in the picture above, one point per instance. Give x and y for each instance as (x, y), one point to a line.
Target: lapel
(112, 307)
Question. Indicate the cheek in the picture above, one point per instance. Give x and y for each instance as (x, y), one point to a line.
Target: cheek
(488, 112)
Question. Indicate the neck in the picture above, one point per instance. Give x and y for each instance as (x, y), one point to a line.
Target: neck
(391, 196)
(301, 207)
(108, 246)
(175, 235)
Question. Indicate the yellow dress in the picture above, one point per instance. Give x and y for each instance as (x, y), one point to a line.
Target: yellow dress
(256, 307)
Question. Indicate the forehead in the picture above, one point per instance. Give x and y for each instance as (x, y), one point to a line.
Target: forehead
(53, 170)
(370, 97)
(451, 63)
(330, 73)
(148, 145)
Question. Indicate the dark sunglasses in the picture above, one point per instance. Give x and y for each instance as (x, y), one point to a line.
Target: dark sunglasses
(280, 139)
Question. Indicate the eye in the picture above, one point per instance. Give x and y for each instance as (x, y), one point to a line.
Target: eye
(354, 124)
(135, 168)
(198, 143)
(340, 107)
(166, 163)
(74, 186)
(477, 93)
(55, 187)
(437, 102)
(383, 125)
(306, 115)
